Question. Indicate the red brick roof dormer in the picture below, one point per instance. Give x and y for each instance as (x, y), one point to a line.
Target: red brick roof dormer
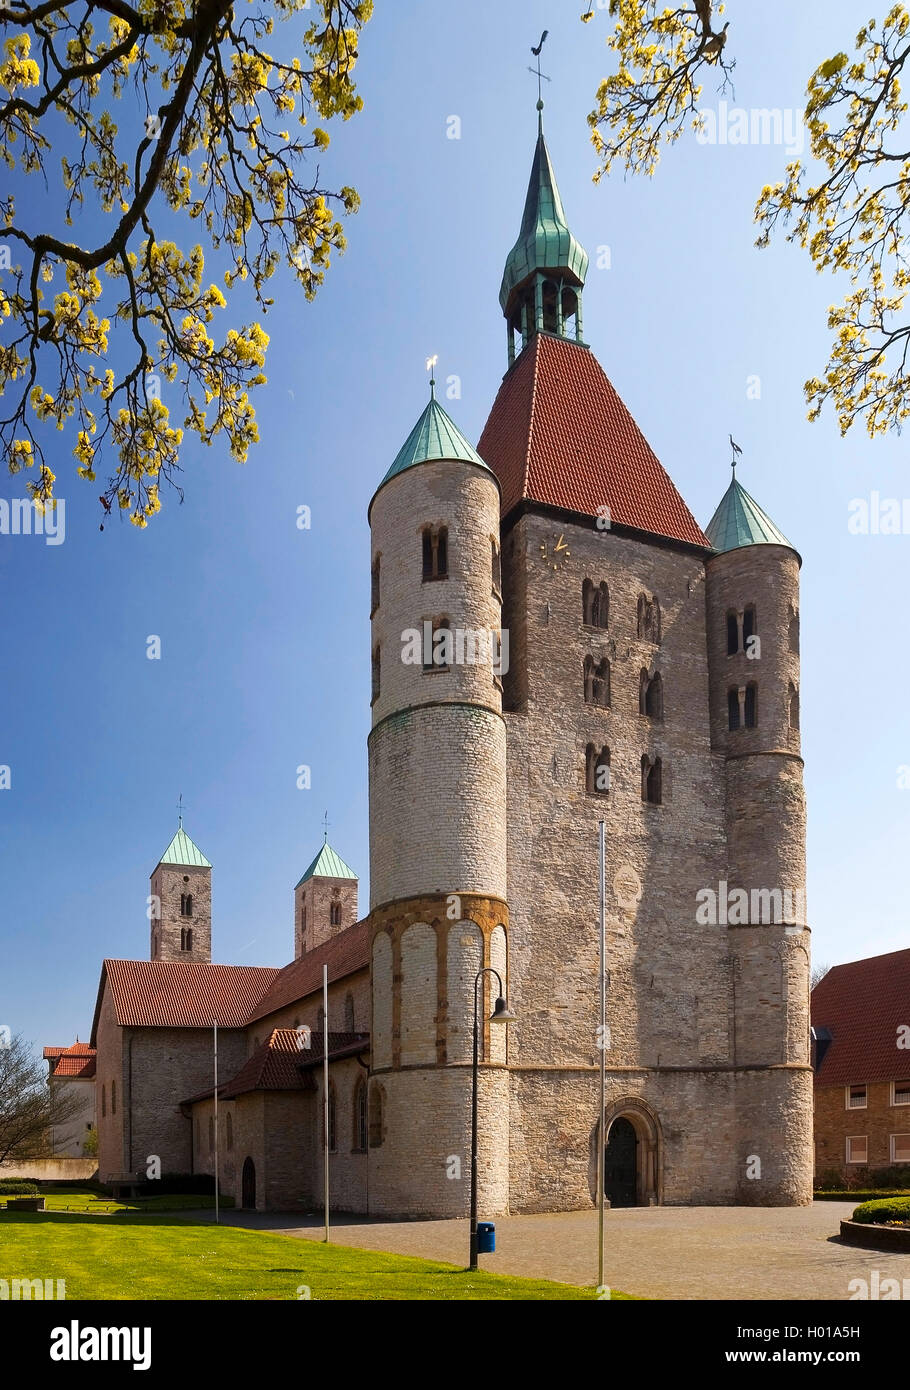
(559, 434)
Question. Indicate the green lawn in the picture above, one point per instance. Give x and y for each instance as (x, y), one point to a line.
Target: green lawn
(92, 1202)
(150, 1256)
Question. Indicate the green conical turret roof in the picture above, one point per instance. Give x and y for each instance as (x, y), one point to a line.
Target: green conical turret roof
(181, 850)
(435, 436)
(739, 521)
(328, 864)
(544, 242)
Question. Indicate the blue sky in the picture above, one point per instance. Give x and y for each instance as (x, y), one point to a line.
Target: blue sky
(264, 628)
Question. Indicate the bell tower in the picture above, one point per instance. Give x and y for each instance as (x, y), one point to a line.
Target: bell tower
(180, 910)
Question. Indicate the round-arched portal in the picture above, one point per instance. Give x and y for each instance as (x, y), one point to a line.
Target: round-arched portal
(632, 1154)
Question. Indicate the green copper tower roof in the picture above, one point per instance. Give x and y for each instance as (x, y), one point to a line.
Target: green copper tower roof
(328, 864)
(544, 242)
(181, 850)
(739, 521)
(435, 436)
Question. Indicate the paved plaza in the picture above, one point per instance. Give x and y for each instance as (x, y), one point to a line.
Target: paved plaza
(654, 1252)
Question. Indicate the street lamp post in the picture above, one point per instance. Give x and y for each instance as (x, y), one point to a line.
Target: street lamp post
(501, 1014)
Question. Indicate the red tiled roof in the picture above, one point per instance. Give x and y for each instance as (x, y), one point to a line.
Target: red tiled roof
(343, 954)
(559, 434)
(76, 1060)
(182, 994)
(863, 1005)
(280, 1064)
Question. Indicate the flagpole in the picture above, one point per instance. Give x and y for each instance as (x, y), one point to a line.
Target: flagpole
(217, 1217)
(602, 1042)
(325, 1090)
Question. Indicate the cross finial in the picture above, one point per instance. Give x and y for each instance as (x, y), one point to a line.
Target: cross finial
(180, 812)
(431, 363)
(537, 72)
(325, 822)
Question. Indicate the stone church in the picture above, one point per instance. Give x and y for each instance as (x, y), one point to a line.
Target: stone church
(555, 642)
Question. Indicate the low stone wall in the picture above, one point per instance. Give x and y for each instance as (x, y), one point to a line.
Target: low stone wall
(51, 1169)
(875, 1237)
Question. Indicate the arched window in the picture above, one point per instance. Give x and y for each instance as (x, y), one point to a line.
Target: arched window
(588, 669)
(751, 707)
(732, 634)
(550, 307)
(438, 654)
(794, 706)
(794, 630)
(435, 552)
(597, 770)
(335, 914)
(732, 709)
(375, 694)
(587, 603)
(189, 938)
(332, 1116)
(229, 1130)
(602, 606)
(651, 695)
(648, 618)
(211, 1133)
(113, 1097)
(749, 626)
(651, 789)
(375, 1115)
(602, 684)
(374, 586)
(186, 904)
(103, 1101)
(183, 938)
(360, 1115)
(497, 566)
(349, 1014)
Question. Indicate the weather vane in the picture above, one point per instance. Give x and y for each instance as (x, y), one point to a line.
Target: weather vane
(325, 822)
(180, 812)
(736, 452)
(431, 363)
(536, 71)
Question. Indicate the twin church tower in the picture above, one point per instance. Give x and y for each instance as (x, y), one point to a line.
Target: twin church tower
(585, 652)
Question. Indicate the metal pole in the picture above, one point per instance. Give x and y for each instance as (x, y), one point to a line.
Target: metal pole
(473, 1262)
(325, 1089)
(602, 1041)
(217, 1217)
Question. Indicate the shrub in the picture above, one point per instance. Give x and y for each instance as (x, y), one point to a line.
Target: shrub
(13, 1187)
(883, 1210)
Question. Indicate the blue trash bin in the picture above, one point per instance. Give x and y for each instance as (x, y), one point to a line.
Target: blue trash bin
(486, 1238)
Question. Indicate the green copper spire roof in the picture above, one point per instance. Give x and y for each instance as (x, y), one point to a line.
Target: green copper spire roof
(181, 850)
(739, 521)
(544, 242)
(435, 436)
(328, 864)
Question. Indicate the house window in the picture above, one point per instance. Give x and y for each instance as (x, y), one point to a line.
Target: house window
(733, 709)
(335, 914)
(651, 695)
(435, 552)
(651, 777)
(375, 1116)
(186, 904)
(732, 634)
(856, 1098)
(374, 586)
(900, 1148)
(375, 684)
(229, 1129)
(597, 770)
(113, 1097)
(900, 1092)
(858, 1149)
(360, 1116)
(497, 566)
(751, 709)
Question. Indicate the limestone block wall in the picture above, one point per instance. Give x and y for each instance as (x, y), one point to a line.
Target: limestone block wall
(313, 902)
(348, 1163)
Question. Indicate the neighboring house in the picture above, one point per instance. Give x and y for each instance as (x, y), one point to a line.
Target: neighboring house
(71, 1072)
(861, 1044)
